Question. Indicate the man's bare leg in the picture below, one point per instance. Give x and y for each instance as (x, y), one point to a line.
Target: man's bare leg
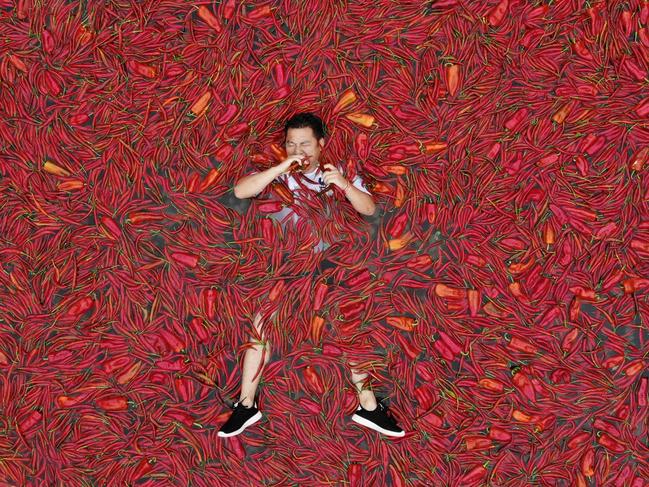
(365, 395)
(251, 361)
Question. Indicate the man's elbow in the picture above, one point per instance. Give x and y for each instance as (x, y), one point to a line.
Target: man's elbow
(369, 211)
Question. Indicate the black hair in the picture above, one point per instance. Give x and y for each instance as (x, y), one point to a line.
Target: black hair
(303, 120)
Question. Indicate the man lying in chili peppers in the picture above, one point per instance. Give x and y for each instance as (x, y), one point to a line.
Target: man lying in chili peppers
(305, 138)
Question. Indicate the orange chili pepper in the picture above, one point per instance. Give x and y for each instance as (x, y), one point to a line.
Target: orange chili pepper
(405, 323)
(347, 98)
(363, 119)
(201, 104)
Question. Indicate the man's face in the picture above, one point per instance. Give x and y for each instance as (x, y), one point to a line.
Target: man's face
(302, 142)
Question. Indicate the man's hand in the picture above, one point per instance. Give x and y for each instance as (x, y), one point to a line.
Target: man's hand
(333, 176)
(286, 164)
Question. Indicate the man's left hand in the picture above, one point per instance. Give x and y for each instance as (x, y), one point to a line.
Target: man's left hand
(333, 176)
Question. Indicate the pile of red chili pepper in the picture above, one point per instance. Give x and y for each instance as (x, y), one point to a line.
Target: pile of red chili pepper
(499, 297)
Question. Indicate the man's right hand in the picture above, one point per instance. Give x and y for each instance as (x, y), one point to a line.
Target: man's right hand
(286, 164)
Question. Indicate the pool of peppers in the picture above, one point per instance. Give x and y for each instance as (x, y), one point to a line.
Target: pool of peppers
(498, 296)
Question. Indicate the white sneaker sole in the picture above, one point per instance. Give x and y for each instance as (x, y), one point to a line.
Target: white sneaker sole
(361, 420)
(251, 421)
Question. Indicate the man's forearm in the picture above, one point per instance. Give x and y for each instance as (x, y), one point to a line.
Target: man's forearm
(253, 184)
(361, 201)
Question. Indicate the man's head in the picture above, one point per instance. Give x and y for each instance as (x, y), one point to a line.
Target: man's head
(305, 135)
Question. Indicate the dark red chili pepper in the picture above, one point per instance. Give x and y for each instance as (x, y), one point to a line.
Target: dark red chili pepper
(319, 294)
(209, 302)
(227, 115)
(359, 278)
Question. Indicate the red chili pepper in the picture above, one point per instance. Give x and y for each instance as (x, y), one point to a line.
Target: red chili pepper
(113, 403)
(352, 309)
(181, 417)
(174, 364)
(361, 145)
(172, 341)
(129, 374)
(317, 325)
(270, 206)
(397, 225)
(522, 345)
(355, 475)
(331, 350)
(411, 350)
(189, 260)
(157, 377)
(313, 380)
(113, 229)
(588, 463)
(359, 278)
(277, 290)
(405, 323)
(499, 434)
(281, 190)
(515, 120)
(65, 401)
(444, 291)
(30, 421)
(228, 9)
(193, 185)
(497, 13)
(183, 388)
(478, 443)
(237, 130)
(268, 230)
(80, 307)
(476, 474)
(199, 329)
(424, 396)
(224, 152)
(577, 440)
(259, 12)
(210, 179)
(144, 467)
(116, 363)
(491, 384)
(641, 395)
(610, 443)
(227, 115)
(208, 17)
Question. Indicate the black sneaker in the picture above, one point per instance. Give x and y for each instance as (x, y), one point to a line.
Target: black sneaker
(378, 419)
(241, 418)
